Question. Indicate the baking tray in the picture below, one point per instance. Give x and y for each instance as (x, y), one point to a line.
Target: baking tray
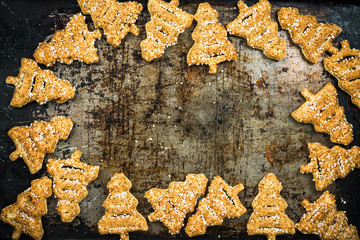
(159, 121)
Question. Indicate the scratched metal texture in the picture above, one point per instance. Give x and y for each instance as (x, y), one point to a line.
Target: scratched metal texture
(157, 122)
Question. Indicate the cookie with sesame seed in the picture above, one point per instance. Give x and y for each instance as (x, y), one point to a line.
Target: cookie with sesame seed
(269, 217)
(345, 66)
(116, 19)
(70, 180)
(326, 164)
(75, 42)
(323, 219)
(25, 215)
(35, 84)
(33, 142)
(211, 45)
(167, 22)
(221, 201)
(313, 37)
(172, 204)
(255, 25)
(121, 216)
(323, 111)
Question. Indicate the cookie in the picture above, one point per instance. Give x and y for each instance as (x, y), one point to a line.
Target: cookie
(221, 201)
(211, 45)
(116, 19)
(75, 42)
(326, 164)
(172, 204)
(70, 180)
(323, 219)
(255, 25)
(25, 214)
(167, 22)
(121, 216)
(269, 216)
(32, 143)
(313, 37)
(345, 66)
(35, 84)
(323, 111)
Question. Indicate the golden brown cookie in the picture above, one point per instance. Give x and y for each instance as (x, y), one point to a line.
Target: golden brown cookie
(75, 42)
(171, 205)
(345, 66)
(25, 215)
(121, 216)
(70, 180)
(326, 164)
(116, 19)
(211, 45)
(323, 219)
(313, 37)
(269, 216)
(255, 25)
(221, 201)
(323, 111)
(32, 143)
(35, 84)
(167, 22)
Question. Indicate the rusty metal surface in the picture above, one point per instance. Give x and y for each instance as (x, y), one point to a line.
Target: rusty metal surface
(157, 122)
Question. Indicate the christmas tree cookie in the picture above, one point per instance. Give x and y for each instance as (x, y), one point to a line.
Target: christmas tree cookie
(116, 19)
(255, 25)
(345, 66)
(313, 37)
(32, 143)
(35, 84)
(221, 201)
(75, 42)
(121, 216)
(171, 205)
(269, 216)
(323, 219)
(25, 215)
(326, 164)
(167, 22)
(70, 180)
(323, 111)
(211, 45)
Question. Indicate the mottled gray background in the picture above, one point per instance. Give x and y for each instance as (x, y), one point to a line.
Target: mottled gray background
(159, 121)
